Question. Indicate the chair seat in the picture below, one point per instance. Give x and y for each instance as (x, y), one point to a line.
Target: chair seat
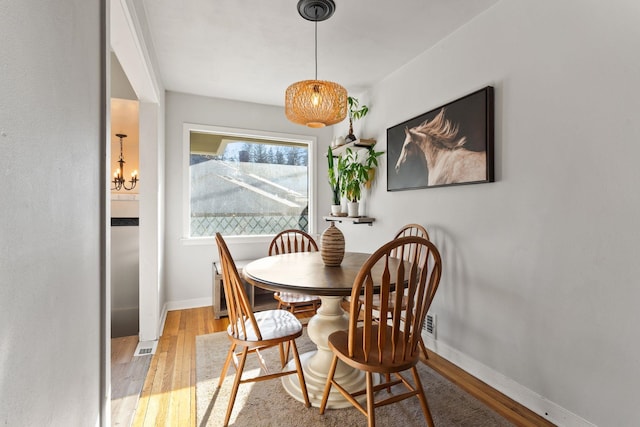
(339, 343)
(290, 298)
(273, 324)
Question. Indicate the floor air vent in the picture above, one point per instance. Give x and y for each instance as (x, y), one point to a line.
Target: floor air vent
(430, 325)
(146, 348)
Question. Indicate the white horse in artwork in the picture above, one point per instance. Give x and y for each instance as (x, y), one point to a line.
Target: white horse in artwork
(448, 161)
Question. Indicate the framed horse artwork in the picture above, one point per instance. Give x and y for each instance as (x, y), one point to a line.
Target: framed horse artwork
(449, 145)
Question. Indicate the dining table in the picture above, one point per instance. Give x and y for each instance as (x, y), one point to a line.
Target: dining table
(305, 273)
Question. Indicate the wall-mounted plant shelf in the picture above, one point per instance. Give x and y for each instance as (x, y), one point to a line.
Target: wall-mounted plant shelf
(353, 220)
(359, 143)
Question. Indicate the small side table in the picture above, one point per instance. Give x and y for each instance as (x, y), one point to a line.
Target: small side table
(260, 299)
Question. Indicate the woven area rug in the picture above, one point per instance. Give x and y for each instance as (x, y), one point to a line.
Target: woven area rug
(266, 403)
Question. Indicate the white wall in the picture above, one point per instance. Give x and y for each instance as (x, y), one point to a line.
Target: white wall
(52, 204)
(540, 286)
(188, 266)
(125, 268)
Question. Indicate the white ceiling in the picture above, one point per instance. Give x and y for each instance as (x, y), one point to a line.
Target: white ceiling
(251, 50)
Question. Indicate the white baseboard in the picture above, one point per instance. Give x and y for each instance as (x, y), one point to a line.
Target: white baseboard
(519, 393)
(189, 303)
(163, 318)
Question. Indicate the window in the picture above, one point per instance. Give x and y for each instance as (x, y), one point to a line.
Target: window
(247, 183)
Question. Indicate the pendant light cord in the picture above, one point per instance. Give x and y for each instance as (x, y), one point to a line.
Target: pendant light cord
(316, 44)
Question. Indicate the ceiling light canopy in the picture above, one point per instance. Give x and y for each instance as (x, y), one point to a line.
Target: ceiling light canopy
(316, 103)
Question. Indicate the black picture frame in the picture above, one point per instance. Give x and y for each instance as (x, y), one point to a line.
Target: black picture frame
(456, 161)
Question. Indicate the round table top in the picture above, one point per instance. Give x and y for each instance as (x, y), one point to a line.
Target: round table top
(304, 272)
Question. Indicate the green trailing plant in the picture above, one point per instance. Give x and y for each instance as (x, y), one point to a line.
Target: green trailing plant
(355, 113)
(355, 174)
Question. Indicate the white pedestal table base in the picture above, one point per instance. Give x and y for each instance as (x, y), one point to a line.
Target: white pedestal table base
(316, 364)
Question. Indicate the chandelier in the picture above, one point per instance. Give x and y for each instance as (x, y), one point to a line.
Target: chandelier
(316, 103)
(118, 177)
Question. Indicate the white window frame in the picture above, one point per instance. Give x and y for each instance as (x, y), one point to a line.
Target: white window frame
(310, 141)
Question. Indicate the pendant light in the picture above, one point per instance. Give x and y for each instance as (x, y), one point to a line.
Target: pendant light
(119, 181)
(316, 103)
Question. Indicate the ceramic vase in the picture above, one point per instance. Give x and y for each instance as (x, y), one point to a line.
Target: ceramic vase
(332, 246)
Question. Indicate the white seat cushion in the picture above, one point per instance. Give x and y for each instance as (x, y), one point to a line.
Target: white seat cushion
(288, 297)
(272, 324)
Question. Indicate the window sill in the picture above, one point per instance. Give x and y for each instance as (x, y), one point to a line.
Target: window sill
(211, 241)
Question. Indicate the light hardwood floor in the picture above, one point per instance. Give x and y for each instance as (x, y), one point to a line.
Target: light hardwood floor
(128, 373)
(168, 397)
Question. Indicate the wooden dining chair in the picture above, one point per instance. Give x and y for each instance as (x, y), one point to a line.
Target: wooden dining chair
(391, 347)
(251, 332)
(407, 230)
(286, 242)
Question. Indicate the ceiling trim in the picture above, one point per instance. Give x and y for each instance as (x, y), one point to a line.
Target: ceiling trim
(127, 44)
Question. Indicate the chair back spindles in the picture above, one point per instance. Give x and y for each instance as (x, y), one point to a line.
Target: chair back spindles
(412, 230)
(395, 340)
(407, 231)
(238, 307)
(291, 241)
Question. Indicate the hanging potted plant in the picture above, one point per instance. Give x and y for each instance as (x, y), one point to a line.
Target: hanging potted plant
(334, 182)
(354, 175)
(355, 113)
(371, 163)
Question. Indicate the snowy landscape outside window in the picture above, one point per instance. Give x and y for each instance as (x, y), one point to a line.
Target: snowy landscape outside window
(247, 185)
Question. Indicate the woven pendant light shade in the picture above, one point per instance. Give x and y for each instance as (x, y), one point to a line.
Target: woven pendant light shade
(315, 103)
